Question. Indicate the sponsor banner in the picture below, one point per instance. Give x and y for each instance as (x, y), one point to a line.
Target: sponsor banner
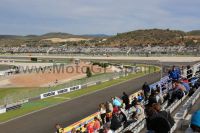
(61, 91)
(3, 110)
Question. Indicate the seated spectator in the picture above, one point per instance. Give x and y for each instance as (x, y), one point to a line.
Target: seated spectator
(73, 130)
(102, 110)
(156, 122)
(195, 123)
(186, 85)
(106, 129)
(59, 129)
(134, 101)
(152, 98)
(126, 101)
(115, 109)
(164, 113)
(159, 96)
(116, 102)
(97, 124)
(90, 127)
(115, 122)
(139, 98)
(139, 111)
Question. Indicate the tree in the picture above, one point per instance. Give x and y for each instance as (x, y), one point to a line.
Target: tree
(88, 72)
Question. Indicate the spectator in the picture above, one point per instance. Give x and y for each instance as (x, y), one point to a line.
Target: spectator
(109, 107)
(139, 98)
(106, 129)
(179, 90)
(109, 110)
(159, 96)
(115, 109)
(164, 113)
(73, 130)
(189, 72)
(175, 73)
(146, 90)
(156, 122)
(97, 124)
(116, 102)
(139, 111)
(115, 122)
(134, 101)
(102, 110)
(152, 98)
(59, 129)
(126, 101)
(186, 85)
(90, 128)
(195, 123)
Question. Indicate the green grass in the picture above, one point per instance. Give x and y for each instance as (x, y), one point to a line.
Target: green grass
(39, 104)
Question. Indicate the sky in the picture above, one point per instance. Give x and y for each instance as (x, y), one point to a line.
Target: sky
(23, 17)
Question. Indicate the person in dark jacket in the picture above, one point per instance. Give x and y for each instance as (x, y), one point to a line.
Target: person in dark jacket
(115, 122)
(126, 100)
(146, 90)
(152, 98)
(156, 122)
(164, 113)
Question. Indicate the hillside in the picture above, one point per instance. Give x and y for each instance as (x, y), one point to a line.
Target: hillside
(132, 38)
(144, 37)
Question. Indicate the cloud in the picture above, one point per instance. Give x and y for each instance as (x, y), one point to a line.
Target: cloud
(96, 16)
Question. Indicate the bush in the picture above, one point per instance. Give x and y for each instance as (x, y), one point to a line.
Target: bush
(88, 72)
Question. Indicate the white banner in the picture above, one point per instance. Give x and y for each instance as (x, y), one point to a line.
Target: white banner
(61, 91)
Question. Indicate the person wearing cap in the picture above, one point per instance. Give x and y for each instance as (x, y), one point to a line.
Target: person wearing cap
(195, 123)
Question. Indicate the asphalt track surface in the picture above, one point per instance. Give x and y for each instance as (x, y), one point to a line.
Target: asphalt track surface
(72, 111)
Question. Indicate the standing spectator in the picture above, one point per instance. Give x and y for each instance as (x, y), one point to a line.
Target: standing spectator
(126, 101)
(109, 107)
(102, 110)
(116, 102)
(189, 72)
(109, 110)
(146, 90)
(175, 73)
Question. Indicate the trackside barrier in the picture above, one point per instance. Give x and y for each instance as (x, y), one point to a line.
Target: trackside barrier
(13, 106)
